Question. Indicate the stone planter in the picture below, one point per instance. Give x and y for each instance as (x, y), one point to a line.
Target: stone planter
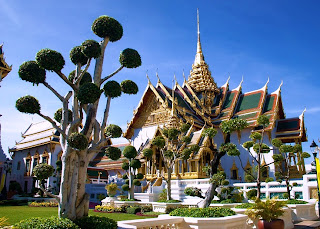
(300, 212)
(108, 201)
(161, 207)
(236, 221)
(118, 203)
(147, 197)
(288, 224)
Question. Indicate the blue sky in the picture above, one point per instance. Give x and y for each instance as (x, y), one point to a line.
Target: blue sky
(253, 39)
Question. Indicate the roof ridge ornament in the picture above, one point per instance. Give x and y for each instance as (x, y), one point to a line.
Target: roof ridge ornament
(149, 81)
(226, 83)
(240, 85)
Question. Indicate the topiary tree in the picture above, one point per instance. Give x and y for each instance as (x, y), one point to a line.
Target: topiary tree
(42, 172)
(174, 146)
(81, 135)
(131, 165)
(227, 128)
(283, 162)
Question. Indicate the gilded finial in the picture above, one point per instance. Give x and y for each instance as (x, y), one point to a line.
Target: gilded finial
(175, 79)
(199, 56)
(157, 76)
(184, 77)
(149, 82)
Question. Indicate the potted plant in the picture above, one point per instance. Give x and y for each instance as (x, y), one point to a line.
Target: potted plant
(112, 189)
(268, 213)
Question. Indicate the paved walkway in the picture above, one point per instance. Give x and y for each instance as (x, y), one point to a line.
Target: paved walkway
(307, 225)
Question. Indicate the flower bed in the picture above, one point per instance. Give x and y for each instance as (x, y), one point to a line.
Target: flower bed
(43, 204)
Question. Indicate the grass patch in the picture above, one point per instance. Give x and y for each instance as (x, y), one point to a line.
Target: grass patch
(17, 213)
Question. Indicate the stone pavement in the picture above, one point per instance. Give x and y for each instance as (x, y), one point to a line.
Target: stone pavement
(307, 225)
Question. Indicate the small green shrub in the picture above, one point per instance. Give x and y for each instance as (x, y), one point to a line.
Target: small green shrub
(52, 222)
(296, 202)
(202, 212)
(171, 208)
(227, 201)
(252, 194)
(146, 208)
(244, 205)
(96, 222)
(133, 209)
(169, 201)
(163, 195)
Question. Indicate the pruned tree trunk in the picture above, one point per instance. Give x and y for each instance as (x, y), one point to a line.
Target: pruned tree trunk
(131, 186)
(210, 193)
(169, 184)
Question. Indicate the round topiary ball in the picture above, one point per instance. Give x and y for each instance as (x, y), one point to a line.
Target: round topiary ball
(77, 57)
(136, 182)
(50, 60)
(147, 153)
(125, 187)
(43, 171)
(139, 176)
(58, 115)
(126, 181)
(125, 165)
(130, 58)
(105, 26)
(135, 163)
(113, 153)
(30, 71)
(28, 104)
(113, 131)
(124, 176)
(129, 152)
(88, 93)
(86, 78)
(78, 141)
(129, 87)
(91, 49)
(112, 89)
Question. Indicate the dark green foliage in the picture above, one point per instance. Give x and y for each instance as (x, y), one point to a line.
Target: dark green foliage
(129, 87)
(52, 222)
(28, 104)
(296, 202)
(249, 178)
(202, 212)
(86, 78)
(171, 134)
(269, 179)
(261, 148)
(225, 182)
(43, 171)
(230, 149)
(146, 208)
(77, 56)
(285, 195)
(124, 176)
(171, 208)
(186, 153)
(135, 163)
(125, 165)
(255, 136)
(15, 186)
(233, 125)
(277, 158)
(59, 163)
(130, 152)
(50, 60)
(105, 26)
(78, 141)
(113, 153)
(133, 209)
(91, 49)
(251, 194)
(263, 120)
(305, 155)
(113, 131)
(185, 127)
(227, 201)
(88, 93)
(286, 149)
(130, 58)
(209, 132)
(112, 89)
(127, 181)
(169, 201)
(125, 187)
(139, 176)
(96, 222)
(159, 141)
(186, 139)
(276, 142)
(297, 148)
(136, 182)
(58, 115)
(147, 153)
(193, 191)
(30, 71)
(247, 145)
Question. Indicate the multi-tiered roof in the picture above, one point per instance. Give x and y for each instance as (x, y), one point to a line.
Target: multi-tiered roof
(200, 101)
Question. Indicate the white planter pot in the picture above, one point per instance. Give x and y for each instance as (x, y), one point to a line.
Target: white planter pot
(288, 223)
(161, 207)
(236, 221)
(108, 201)
(300, 212)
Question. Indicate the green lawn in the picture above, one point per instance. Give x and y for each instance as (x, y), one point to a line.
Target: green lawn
(17, 213)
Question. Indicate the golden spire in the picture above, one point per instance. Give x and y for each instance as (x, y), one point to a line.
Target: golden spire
(173, 121)
(199, 55)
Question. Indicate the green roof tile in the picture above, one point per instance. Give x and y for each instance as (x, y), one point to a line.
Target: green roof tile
(288, 125)
(247, 102)
(269, 103)
(228, 100)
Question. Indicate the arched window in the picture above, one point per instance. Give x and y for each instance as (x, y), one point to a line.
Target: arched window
(234, 171)
(45, 157)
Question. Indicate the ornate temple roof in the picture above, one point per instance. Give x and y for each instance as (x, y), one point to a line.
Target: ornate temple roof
(199, 101)
(37, 134)
(4, 67)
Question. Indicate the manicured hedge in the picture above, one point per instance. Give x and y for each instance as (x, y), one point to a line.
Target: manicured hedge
(296, 202)
(52, 222)
(202, 212)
